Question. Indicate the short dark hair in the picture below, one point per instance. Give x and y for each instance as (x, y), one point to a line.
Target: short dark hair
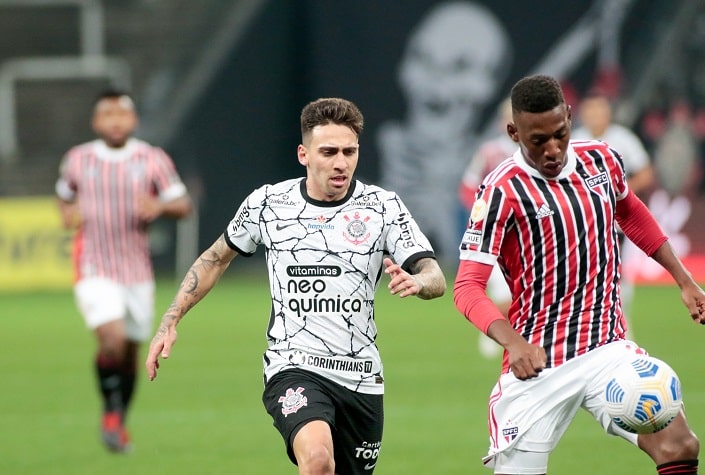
(112, 94)
(535, 94)
(331, 110)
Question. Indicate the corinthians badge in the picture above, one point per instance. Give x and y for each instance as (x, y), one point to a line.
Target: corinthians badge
(356, 230)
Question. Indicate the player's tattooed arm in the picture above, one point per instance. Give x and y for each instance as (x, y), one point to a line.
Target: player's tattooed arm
(429, 276)
(199, 280)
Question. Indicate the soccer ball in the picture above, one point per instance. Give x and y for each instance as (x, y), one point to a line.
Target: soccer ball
(644, 395)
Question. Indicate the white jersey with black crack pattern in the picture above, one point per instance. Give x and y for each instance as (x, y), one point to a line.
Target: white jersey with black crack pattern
(325, 263)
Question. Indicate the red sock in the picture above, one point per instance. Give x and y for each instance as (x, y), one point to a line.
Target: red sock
(678, 467)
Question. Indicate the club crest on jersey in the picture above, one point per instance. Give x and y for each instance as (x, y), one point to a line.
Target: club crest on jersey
(292, 401)
(595, 183)
(479, 210)
(510, 433)
(596, 180)
(356, 230)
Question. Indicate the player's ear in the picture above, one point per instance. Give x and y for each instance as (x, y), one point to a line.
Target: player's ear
(512, 132)
(302, 155)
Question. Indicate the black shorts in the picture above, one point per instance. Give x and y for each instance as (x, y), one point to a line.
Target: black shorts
(295, 397)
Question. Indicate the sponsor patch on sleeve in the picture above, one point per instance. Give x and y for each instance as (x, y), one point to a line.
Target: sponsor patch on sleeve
(471, 237)
(479, 210)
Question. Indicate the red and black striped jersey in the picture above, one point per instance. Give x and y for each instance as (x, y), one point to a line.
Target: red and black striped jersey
(556, 242)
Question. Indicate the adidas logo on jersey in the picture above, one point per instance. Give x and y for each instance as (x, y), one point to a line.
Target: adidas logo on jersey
(544, 211)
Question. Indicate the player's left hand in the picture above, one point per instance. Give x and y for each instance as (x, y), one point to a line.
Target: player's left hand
(694, 299)
(149, 208)
(160, 346)
(402, 283)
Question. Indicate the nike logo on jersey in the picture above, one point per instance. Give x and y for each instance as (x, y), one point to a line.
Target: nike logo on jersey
(544, 212)
(370, 466)
(283, 226)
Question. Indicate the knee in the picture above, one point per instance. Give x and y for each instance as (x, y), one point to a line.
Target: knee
(691, 447)
(112, 346)
(686, 447)
(316, 461)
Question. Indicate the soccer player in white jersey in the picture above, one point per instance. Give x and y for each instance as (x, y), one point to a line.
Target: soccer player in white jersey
(111, 189)
(328, 238)
(597, 123)
(549, 216)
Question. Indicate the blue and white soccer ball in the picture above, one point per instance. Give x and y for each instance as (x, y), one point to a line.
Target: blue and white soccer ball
(644, 395)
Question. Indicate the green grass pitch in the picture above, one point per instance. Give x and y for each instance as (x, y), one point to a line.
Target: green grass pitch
(203, 414)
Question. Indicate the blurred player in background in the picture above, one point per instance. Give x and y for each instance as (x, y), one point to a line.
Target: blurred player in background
(326, 238)
(111, 189)
(549, 218)
(596, 120)
(487, 157)
(596, 117)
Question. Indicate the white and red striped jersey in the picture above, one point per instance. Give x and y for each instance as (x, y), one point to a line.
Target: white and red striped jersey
(108, 183)
(556, 242)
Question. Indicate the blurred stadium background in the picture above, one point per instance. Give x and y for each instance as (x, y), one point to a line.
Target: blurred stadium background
(220, 84)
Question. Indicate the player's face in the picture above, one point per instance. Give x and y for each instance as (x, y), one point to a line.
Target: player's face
(596, 114)
(114, 120)
(543, 138)
(330, 154)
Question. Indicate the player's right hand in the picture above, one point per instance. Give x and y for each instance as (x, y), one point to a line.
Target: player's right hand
(526, 360)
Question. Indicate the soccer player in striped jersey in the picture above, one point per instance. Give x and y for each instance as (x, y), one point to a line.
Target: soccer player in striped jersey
(111, 189)
(548, 215)
(328, 239)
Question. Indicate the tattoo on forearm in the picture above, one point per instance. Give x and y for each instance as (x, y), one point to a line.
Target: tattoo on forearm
(427, 271)
(190, 282)
(198, 280)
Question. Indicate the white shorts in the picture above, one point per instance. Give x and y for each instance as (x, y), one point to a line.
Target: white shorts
(528, 418)
(102, 300)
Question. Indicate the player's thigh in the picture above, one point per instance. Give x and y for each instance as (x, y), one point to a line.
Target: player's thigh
(521, 462)
(139, 299)
(530, 454)
(294, 398)
(605, 360)
(100, 301)
(358, 431)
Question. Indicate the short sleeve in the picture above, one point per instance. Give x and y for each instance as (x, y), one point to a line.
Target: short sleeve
(166, 179)
(66, 184)
(243, 234)
(489, 219)
(404, 240)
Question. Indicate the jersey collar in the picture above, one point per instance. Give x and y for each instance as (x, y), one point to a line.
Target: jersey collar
(327, 204)
(115, 154)
(569, 168)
